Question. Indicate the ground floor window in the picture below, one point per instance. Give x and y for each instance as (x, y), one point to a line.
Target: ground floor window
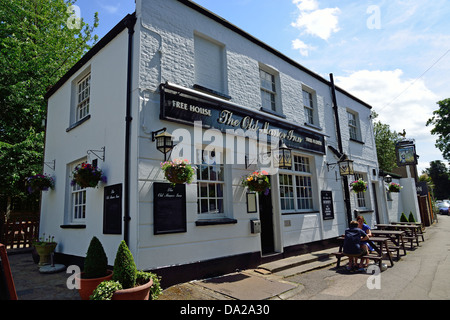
(361, 196)
(77, 199)
(210, 183)
(296, 186)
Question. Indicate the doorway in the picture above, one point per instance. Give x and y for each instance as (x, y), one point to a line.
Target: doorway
(266, 217)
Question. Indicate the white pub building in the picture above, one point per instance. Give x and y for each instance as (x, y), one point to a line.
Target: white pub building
(229, 101)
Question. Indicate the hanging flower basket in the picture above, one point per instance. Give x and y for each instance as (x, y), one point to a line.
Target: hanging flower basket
(178, 171)
(358, 186)
(258, 182)
(40, 182)
(394, 187)
(87, 176)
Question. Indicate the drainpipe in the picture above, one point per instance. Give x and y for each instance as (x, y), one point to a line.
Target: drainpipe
(130, 23)
(339, 138)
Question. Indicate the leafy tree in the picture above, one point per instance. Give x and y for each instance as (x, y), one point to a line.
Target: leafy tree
(441, 123)
(440, 176)
(385, 141)
(39, 43)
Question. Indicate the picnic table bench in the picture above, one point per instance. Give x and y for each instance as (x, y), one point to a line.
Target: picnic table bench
(420, 231)
(395, 242)
(380, 244)
(411, 231)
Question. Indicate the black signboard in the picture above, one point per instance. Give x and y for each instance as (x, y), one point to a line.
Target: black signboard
(327, 205)
(186, 107)
(169, 208)
(112, 209)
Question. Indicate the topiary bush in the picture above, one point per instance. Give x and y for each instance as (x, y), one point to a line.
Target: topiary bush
(124, 267)
(96, 262)
(105, 290)
(403, 218)
(411, 217)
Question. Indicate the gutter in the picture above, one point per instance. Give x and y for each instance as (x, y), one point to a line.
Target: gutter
(129, 23)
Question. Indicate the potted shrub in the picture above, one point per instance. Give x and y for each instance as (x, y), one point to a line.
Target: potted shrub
(95, 269)
(127, 283)
(394, 187)
(403, 218)
(178, 171)
(411, 217)
(257, 181)
(44, 247)
(358, 186)
(39, 182)
(87, 176)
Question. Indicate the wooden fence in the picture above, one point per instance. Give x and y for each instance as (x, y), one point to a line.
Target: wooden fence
(16, 234)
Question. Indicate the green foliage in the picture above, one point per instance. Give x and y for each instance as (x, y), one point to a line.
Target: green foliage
(143, 277)
(385, 141)
(105, 290)
(411, 217)
(441, 123)
(440, 177)
(96, 262)
(403, 218)
(37, 47)
(124, 267)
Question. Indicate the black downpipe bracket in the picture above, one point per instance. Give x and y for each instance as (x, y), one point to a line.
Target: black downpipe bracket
(338, 133)
(130, 23)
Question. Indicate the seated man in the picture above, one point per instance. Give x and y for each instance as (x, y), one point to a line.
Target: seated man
(353, 245)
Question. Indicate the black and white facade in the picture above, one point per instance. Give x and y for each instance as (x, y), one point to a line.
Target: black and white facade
(227, 99)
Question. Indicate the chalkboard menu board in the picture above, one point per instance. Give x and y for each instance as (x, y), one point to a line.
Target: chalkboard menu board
(327, 205)
(169, 208)
(112, 209)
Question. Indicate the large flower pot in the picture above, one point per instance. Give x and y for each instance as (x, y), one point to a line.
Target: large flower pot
(87, 286)
(44, 252)
(137, 293)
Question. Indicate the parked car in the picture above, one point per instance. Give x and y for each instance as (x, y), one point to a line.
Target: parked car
(444, 208)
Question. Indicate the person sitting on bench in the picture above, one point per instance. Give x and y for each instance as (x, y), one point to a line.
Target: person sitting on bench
(353, 246)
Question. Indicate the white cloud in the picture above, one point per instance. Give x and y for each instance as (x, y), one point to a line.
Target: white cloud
(317, 22)
(304, 48)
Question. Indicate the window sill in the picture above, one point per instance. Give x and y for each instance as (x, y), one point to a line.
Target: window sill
(211, 91)
(357, 141)
(357, 211)
(298, 212)
(213, 222)
(313, 126)
(76, 124)
(73, 226)
(275, 113)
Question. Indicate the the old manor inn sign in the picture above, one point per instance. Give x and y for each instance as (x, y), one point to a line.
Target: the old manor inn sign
(187, 107)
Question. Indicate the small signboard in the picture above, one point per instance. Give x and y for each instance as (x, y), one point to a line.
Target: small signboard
(169, 208)
(327, 205)
(112, 209)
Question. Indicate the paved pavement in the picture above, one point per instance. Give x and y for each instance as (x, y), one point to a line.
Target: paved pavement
(420, 275)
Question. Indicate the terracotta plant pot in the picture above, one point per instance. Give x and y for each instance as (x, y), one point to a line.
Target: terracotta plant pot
(137, 293)
(87, 286)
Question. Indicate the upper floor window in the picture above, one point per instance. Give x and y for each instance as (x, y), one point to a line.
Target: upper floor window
(83, 97)
(353, 125)
(268, 90)
(308, 107)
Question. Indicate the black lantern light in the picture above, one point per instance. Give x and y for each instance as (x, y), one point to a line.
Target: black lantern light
(388, 179)
(284, 156)
(164, 142)
(346, 167)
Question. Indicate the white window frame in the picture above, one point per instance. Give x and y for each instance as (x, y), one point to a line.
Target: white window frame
(268, 88)
(211, 188)
(296, 186)
(353, 125)
(83, 97)
(361, 198)
(308, 105)
(78, 197)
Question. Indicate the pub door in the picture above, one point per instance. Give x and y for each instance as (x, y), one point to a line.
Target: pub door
(266, 217)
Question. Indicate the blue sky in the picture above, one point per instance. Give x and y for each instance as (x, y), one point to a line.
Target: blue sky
(395, 54)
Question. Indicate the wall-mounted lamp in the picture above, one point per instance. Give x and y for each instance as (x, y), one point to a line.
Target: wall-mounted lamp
(345, 166)
(284, 156)
(164, 142)
(388, 179)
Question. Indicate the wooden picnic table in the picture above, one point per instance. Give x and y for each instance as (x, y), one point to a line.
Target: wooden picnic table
(420, 231)
(395, 236)
(412, 229)
(379, 244)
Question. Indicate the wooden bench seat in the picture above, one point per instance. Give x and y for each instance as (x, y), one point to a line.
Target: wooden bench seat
(339, 255)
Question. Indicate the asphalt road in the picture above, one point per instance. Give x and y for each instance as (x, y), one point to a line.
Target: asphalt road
(423, 274)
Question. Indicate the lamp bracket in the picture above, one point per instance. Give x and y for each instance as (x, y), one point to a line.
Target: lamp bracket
(51, 164)
(97, 153)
